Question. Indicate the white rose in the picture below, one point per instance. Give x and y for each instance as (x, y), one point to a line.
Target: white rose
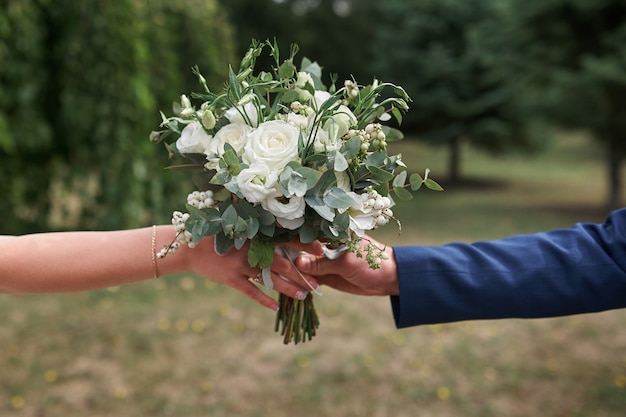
(289, 214)
(273, 143)
(193, 139)
(236, 115)
(234, 134)
(257, 182)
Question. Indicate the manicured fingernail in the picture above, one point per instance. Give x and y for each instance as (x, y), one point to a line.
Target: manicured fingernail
(301, 295)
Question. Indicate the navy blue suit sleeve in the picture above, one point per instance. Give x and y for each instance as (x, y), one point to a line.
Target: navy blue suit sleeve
(556, 273)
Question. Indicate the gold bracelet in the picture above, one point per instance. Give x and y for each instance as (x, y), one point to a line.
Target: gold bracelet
(155, 268)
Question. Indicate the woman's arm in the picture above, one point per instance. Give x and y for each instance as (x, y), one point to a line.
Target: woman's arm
(78, 261)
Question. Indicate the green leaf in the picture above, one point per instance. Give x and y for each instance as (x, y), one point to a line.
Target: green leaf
(297, 186)
(402, 193)
(261, 253)
(399, 180)
(377, 159)
(234, 86)
(351, 148)
(307, 233)
(392, 135)
(340, 163)
(312, 176)
(253, 228)
(229, 218)
(432, 185)
(320, 207)
(342, 221)
(223, 244)
(286, 70)
(416, 181)
(338, 198)
(380, 174)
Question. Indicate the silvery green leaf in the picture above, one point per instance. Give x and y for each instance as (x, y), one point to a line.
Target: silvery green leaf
(402, 193)
(229, 218)
(380, 175)
(232, 185)
(312, 176)
(351, 148)
(341, 164)
(297, 186)
(253, 228)
(338, 198)
(267, 278)
(400, 179)
(376, 159)
(342, 221)
(307, 233)
(221, 177)
(239, 241)
(321, 208)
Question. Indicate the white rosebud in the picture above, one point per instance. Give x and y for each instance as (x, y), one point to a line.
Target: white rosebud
(208, 120)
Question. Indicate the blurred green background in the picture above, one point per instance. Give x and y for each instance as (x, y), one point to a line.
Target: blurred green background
(518, 109)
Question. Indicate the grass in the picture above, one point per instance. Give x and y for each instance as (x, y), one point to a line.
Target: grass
(180, 346)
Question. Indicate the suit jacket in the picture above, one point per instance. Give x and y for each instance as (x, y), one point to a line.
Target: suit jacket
(561, 272)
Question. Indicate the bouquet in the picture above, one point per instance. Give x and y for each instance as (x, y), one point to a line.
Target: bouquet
(279, 156)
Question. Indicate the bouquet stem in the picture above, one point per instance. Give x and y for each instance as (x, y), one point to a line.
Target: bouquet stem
(296, 320)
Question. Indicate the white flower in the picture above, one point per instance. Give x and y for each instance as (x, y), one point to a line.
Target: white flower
(323, 143)
(273, 143)
(340, 123)
(320, 98)
(193, 139)
(342, 120)
(236, 115)
(304, 78)
(297, 120)
(362, 215)
(234, 134)
(257, 182)
(289, 212)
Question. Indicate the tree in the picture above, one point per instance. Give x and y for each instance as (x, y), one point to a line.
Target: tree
(81, 85)
(575, 51)
(450, 57)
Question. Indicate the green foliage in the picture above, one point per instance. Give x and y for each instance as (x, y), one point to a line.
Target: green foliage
(451, 56)
(79, 85)
(575, 54)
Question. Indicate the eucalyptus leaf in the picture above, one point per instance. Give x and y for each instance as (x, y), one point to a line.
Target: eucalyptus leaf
(402, 193)
(338, 198)
(297, 186)
(223, 244)
(380, 174)
(351, 148)
(416, 181)
(253, 228)
(432, 185)
(308, 233)
(320, 208)
(400, 179)
(312, 176)
(229, 218)
(340, 162)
